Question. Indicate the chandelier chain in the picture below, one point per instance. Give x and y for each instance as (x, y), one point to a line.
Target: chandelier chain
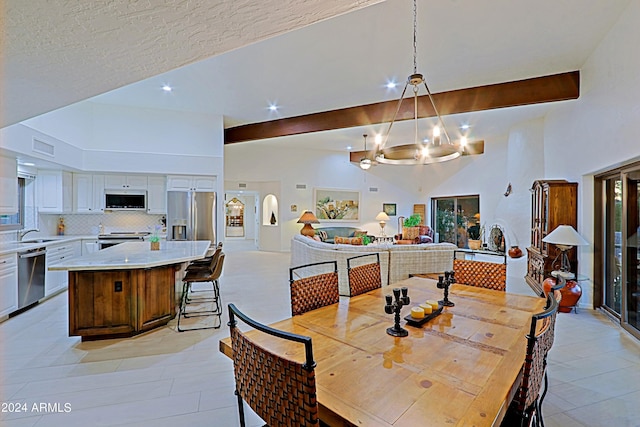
(415, 37)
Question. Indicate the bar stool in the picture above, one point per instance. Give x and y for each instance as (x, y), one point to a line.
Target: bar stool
(202, 276)
(200, 267)
(209, 259)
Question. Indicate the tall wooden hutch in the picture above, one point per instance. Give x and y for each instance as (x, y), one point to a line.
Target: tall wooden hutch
(553, 203)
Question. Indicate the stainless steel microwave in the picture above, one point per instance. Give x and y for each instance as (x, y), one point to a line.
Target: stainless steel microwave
(125, 200)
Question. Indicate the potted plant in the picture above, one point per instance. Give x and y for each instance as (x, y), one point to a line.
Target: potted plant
(475, 233)
(410, 229)
(154, 240)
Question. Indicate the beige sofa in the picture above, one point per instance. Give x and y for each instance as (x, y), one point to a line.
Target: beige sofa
(396, 261)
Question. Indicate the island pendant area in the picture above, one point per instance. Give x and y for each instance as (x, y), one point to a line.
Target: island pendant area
(126, 289)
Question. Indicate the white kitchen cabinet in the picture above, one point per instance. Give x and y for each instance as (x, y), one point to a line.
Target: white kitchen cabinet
(54, 281)
(157, 195)
(125, 182)
(98, 193)
(88, 193)
(8, 284)
(9, 185)
(54, 191)
(89, 246)
(191, 183)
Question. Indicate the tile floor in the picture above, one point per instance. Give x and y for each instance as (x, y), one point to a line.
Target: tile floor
(165, 378)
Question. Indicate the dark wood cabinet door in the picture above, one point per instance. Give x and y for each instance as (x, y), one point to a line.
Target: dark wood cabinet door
(101, 303)
(156, 296)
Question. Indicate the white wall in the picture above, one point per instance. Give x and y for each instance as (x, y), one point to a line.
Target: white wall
(600, 130)
(107, 138)
(486, 175)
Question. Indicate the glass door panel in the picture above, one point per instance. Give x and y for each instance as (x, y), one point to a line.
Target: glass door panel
(613, 244)
(632, 259)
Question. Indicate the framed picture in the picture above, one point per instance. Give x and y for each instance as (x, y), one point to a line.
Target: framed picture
(333, 205)
(389, 209)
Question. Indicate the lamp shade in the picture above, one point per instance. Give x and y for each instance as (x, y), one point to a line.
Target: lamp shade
(308, 218)
(565, 235)
(382, 217)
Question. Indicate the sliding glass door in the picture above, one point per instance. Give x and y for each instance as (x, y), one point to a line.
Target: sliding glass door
(620, 242)
(631, 260)
(613, 244)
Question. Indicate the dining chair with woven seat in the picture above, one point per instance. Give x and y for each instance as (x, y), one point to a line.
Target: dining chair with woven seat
(525, 408)
(483, 274)
(365, 277)
(280, 391)
(315, 290)
(203, 276)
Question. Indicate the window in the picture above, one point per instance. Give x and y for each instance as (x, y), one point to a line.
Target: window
(456, 219)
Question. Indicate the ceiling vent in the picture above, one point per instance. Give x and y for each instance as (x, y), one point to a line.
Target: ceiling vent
(301, 186)
(373, 189)
(43, 147)
(242, 185)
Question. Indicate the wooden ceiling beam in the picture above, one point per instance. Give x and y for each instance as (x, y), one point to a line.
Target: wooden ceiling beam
(537, 90)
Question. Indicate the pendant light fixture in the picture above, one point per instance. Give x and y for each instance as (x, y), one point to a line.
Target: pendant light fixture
(440, 147)
(365, 162)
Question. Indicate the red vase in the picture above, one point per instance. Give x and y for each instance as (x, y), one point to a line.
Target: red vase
(515, 252)
(571, 293)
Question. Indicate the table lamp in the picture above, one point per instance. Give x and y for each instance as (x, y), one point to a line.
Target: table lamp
(565, 237)
(382, 217)
(307, 219)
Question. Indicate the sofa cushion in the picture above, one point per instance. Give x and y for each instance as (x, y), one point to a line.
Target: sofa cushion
(322, 235)
(348, 240)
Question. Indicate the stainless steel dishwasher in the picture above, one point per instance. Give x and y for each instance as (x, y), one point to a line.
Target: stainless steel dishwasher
(30, 276)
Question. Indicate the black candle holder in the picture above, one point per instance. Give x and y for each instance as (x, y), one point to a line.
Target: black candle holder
(443, 283)
(395, 307)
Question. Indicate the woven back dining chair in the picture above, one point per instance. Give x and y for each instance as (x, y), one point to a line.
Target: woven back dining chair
(280, 391)
(364, 277)
(482, 274)
(313, 286)
(525, 408)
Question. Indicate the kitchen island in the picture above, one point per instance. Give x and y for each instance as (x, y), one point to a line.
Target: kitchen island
(126, 289)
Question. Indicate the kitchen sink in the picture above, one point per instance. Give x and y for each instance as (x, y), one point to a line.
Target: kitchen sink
(37, 240)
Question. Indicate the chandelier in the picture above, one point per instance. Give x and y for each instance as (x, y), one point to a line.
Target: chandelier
(440, 147)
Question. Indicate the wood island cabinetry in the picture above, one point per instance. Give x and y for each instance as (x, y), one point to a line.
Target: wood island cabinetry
(120, 302)
(126, 289)
(553, 203)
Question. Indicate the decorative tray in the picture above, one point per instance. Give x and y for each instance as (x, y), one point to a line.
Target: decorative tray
(419, 322)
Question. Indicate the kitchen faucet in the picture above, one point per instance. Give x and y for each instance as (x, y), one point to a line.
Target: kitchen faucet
(23, 233)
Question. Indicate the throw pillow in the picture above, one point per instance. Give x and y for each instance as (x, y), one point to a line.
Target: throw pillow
(340, 239)
(322, 235)
(359, 233)
(356, 240)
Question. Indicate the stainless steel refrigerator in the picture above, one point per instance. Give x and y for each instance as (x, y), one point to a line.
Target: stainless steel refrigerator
(191, 215)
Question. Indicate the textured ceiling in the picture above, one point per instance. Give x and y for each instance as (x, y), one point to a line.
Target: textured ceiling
(57, 52)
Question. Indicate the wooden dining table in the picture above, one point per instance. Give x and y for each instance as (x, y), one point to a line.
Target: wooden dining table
(460, 368)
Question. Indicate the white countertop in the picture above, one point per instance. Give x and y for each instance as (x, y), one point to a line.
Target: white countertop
(132, 255)
(31, 243)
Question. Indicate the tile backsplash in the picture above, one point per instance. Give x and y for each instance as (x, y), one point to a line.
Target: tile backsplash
(89, 224)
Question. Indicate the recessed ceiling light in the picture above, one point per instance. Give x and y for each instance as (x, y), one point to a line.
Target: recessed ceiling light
(391, 84)
(349, 147)
(273, 107)
(464, 126)
(29, 164)
(167, 88)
